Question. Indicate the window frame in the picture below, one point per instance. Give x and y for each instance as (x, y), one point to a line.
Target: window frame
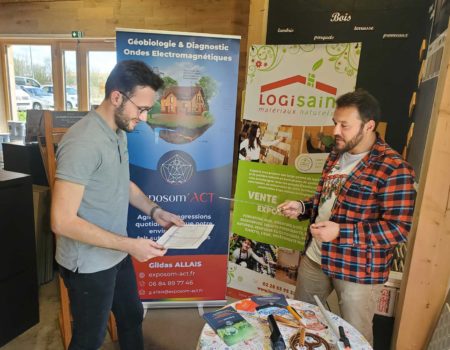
(82, 47)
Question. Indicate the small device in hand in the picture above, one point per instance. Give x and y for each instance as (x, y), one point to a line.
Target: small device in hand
(276, 340)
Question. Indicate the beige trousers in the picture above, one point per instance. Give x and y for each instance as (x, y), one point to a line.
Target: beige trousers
(357, 302)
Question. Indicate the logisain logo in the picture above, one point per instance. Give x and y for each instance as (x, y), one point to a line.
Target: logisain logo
(339, 17)
(269, 96)
(320, 103)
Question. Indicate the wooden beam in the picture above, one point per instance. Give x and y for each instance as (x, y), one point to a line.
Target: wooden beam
(256, 33)
(57, 74)
(426, 278)
(4, 100)
(257, 22)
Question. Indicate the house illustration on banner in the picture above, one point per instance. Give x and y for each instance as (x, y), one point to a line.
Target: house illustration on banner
(183, 100)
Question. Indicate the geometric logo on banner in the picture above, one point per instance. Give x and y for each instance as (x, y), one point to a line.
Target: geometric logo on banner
(176, 167)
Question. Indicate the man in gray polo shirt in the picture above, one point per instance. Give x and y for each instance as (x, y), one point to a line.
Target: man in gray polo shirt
(90, 207)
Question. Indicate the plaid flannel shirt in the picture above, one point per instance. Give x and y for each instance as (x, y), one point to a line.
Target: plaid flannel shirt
(374, 211)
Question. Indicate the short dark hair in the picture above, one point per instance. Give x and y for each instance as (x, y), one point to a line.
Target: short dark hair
(127, 75)
(367, 105)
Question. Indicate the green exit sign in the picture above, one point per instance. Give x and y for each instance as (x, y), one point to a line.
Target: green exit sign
(77, 34)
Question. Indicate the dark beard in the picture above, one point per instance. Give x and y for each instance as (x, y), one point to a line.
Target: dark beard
(121, 123)
(352, 143)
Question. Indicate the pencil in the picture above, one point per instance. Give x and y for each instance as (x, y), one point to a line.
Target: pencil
(294, 313)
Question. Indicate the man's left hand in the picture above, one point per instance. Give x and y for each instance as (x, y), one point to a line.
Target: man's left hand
(325, 231)
(166, 219)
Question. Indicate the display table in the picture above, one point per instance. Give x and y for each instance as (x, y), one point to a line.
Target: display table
(311, 317)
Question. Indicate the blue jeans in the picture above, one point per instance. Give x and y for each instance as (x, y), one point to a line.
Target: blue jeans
(93, 295)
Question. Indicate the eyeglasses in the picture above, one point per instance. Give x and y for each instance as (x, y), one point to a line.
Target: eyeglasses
(140, 109)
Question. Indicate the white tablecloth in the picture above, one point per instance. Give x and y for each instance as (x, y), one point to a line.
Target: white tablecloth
(312, 317)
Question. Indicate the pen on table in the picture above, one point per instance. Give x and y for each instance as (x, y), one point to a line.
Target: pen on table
(344, 339)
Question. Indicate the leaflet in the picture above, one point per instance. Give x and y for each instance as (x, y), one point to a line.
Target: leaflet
(185, 237)
(229, 325)
(274, 303)
(274, 299)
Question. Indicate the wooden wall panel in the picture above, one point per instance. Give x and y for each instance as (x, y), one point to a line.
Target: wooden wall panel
(427, 276)
(100, 18)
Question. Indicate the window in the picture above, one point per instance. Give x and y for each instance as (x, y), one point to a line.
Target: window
(48, 73)
(100, 65)
(30, 67)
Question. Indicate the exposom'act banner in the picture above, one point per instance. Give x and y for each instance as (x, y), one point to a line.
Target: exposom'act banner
(182, 158)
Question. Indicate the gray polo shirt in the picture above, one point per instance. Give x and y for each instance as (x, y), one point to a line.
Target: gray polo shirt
(93, 155)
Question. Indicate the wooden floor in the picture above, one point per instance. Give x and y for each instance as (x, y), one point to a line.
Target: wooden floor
(164, 329)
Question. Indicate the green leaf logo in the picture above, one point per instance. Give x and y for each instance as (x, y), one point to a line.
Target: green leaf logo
(317, 65)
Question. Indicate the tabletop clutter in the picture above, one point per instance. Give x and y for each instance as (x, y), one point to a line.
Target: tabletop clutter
(270, 321)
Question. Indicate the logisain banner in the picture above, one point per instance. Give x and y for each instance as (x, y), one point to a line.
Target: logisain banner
(286, 135)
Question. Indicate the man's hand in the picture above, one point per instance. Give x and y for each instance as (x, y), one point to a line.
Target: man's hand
(325, 231)
(166, 219)
(144, 249)
(291, 209)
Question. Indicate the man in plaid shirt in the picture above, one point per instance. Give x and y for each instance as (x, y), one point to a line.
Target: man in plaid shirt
(361, 210)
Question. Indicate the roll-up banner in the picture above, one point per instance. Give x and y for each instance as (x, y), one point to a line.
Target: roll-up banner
(290, 98)
(182, 159)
